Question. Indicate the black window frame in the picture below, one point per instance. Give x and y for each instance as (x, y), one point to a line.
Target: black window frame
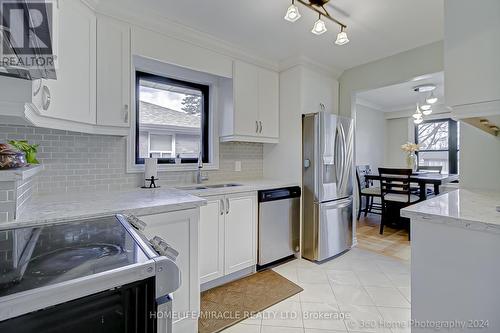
(205, 116)
(453, 147)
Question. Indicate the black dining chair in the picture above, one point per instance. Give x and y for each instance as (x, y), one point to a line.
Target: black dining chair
(396, 194)
(438, 169)
(431, 168)
(368, 191)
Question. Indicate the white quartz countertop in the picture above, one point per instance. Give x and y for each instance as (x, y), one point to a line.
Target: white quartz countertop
(75, 206)
(473, 209)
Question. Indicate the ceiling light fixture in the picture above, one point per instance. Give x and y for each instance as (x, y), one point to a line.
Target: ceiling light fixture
(319, 27)
(431, 99)
(426, 108)
(424, 88)
(417, 116)
(292, 15)
(342, 37)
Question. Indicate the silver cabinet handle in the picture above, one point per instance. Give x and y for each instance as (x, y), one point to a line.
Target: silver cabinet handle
(227, 206)
(125, 113)
(256, 126)
(260, 122)
(222, 207)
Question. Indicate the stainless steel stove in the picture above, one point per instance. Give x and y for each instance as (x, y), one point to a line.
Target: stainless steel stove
(98, 275)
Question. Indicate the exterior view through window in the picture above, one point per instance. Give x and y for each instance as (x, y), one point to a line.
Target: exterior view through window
(172, 119)
(438, 140)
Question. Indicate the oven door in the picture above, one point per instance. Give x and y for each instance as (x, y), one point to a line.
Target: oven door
(125, 309)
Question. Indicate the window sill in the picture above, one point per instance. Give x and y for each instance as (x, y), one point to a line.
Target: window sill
(139, 168)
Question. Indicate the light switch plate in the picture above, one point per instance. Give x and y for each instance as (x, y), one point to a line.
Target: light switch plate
(237, 166)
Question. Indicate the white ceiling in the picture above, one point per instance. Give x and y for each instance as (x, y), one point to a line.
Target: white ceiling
(401, 96)
(376, 28)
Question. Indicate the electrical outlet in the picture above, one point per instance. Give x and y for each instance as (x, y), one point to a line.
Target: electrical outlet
(237, 166)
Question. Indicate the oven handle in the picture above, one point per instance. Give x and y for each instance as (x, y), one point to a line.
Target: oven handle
(164, 321)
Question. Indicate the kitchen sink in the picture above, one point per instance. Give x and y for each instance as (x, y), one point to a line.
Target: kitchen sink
(223, 185)
(206, 187)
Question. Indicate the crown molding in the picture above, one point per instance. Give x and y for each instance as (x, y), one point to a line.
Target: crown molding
(368, 104)
(291, 62)
(157, 23)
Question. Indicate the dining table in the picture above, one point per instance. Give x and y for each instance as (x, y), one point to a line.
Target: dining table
(423, 179)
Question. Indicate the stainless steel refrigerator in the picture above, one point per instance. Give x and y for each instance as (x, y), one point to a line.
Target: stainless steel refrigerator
(327, 151)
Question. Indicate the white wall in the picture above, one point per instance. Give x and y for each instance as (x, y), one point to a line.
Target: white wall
(302, 89)
(399, 131)
(395, 69)
(370, 136)
(479, 159)
(283, 160)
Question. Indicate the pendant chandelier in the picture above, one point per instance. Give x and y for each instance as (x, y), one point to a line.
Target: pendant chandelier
(319, 28)
(424, 109)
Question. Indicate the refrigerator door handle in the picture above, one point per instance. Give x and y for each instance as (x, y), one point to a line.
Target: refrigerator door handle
(340, 163)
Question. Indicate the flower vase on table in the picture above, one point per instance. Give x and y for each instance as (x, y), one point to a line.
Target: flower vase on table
(411, 158)
(411, 161)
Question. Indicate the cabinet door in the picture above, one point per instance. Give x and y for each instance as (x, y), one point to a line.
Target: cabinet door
(472, 53)
(240, 233)
(211, 250)
(269, 103)
(180, 230)
(113, 72)
(246, 98)
(73, 94)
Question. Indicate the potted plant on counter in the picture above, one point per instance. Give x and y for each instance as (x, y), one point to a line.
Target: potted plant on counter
(28, 149)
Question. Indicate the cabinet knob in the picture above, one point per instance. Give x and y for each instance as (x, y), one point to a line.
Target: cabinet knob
(256, 126)
(260, 122)
(45, 98)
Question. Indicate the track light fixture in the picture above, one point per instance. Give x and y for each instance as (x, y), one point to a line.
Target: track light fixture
(342, 37)
(292, 13)
(319, 28)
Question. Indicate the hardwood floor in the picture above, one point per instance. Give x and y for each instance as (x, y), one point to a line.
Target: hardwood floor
(393, 243)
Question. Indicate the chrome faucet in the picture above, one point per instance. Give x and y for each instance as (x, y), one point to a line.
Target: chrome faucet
(199, 175)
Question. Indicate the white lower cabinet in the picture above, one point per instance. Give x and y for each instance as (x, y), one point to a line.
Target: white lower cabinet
(212, 240)
(180, 230)
(228, 229)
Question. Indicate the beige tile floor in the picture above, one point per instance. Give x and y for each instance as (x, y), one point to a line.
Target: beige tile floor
(360, 291)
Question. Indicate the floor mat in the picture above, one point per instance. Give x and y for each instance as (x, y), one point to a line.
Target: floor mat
(231, 303)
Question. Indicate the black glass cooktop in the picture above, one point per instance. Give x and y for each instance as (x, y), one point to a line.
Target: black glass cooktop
(40, 256)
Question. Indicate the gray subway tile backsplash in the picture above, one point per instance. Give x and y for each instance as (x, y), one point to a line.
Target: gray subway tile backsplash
(84, 162)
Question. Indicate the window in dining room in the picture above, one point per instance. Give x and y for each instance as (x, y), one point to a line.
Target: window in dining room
(439, 144)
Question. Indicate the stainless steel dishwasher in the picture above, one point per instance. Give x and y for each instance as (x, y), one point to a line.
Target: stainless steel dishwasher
(279, 224)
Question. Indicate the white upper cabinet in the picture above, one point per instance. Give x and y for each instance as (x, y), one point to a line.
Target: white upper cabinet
(471, 56)
(246, 98)
(113, 72)
(269, 86)
(73, 95)
(253, 113)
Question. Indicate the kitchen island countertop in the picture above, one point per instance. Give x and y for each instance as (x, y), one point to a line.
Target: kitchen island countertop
(471, 209)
